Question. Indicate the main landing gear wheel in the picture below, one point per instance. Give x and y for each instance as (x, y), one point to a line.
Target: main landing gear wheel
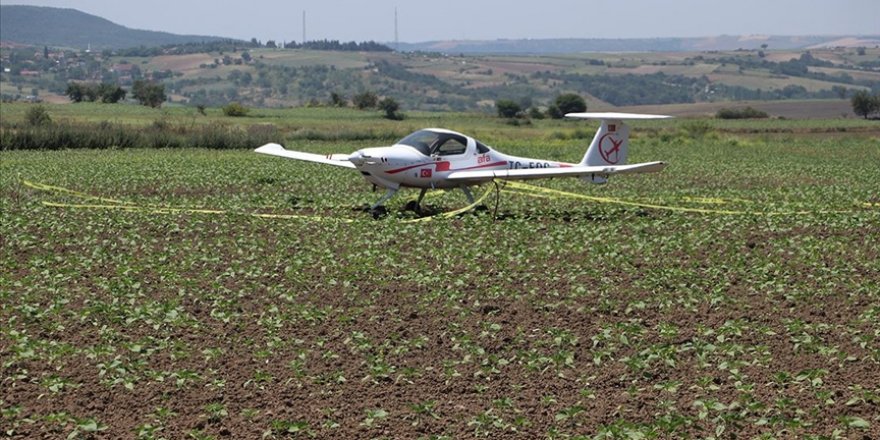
(378, 212)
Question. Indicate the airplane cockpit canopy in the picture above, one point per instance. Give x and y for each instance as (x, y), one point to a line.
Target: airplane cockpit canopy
(434, 143)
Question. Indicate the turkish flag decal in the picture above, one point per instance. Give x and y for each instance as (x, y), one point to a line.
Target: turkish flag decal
(426, 172)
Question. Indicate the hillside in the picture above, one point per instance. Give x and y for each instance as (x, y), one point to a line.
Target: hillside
(57, 27)
(574, 45)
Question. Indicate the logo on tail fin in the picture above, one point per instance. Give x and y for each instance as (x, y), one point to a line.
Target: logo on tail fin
(610, 150)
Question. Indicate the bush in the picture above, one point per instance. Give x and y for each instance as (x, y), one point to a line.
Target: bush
(507, 108)
(235, 109)
(741, 113)
(148, 93)
(37, 116)
(390, 107)
(365, 100)
(570, 103)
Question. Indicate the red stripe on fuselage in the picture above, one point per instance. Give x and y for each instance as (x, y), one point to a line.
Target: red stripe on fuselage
(488, 165)
(395, 171)
(444, 166)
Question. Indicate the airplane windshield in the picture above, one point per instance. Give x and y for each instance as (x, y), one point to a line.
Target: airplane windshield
(433, 143)
(421, 140)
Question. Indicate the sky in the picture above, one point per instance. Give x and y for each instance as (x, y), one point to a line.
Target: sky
(422, 20)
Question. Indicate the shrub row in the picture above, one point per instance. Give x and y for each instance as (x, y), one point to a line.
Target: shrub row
(741, 113)
(111, 135)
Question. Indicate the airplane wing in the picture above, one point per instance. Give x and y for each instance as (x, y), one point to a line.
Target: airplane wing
(339, 160)
(544, 173)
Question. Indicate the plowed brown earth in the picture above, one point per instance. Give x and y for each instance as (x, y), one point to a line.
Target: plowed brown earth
(517, 353)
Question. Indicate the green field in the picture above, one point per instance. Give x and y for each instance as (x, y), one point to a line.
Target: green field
(562, 317)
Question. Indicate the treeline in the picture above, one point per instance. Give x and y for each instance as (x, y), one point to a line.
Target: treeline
(791, 91)
(335, 45)
(187, 48)
(42, 134)
(239, 45)
(147, 93)
(629, 89)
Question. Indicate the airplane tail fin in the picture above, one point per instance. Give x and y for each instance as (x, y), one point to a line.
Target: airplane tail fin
(610, 145)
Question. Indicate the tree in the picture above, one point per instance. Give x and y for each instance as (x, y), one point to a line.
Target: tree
(864, 104)
(111, 93)
(148, 93)
(570, 103)
(390, 107)
(507, 108)
(365, 100)
(75, 92)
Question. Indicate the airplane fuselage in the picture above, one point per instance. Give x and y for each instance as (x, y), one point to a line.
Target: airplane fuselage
(403, 166)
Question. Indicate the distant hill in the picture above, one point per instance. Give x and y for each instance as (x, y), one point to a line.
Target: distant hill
(57, 27)
(575, 45)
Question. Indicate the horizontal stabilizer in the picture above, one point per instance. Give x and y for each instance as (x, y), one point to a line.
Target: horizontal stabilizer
(614, 116)
(339, 160)
(543, 173)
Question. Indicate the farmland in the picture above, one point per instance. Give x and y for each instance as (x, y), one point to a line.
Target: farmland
(272, 77)
(743, 304)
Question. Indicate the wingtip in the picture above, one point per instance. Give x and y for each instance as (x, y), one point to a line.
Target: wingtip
(269, 147)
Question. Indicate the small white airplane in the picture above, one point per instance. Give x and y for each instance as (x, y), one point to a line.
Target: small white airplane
(435, 158)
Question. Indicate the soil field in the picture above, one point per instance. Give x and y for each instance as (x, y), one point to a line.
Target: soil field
(734, 295)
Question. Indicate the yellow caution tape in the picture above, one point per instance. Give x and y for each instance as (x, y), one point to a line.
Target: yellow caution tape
(153, 209)
(514, 187)
(170, 210)
(455, 212)
(557, 193)
(112, 204)
(58, 189)
(713, 200)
